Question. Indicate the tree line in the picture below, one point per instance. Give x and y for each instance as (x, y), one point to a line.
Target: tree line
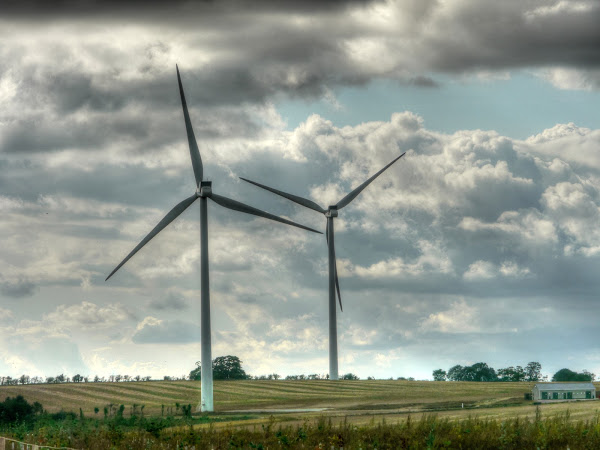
(531, 372)
(77, 378)
(230, 368)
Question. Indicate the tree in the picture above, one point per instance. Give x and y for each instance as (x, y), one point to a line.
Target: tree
(17, 409)
(455, 373)
(533, 371)
(569, 375)
(512, 374)
(196, 374)
(481, 372)
(439, 375)
(477, 372)
(350, 376)
(77, 378)
(589, 374)
(228, 368)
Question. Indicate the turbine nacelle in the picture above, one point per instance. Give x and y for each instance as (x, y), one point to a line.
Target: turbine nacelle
(332, 211)
(205, 189)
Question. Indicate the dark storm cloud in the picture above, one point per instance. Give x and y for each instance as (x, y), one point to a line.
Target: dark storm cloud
(141, 7)
(423, 81)
(517, 34)
(89, 95)
(18, 289)
(266, 52)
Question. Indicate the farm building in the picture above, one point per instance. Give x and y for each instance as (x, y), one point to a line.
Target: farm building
(564, 391)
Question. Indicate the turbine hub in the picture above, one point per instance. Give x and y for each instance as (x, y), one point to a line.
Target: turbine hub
(205, 189)
(332, 211)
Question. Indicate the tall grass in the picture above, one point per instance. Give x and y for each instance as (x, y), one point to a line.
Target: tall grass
(426, 432)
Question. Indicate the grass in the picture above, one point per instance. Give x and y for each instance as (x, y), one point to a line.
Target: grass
(356, 414)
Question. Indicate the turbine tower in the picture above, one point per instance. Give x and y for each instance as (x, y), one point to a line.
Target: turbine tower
(204, 192)
(330, 213)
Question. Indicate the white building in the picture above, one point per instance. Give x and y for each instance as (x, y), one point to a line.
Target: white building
(563, 391)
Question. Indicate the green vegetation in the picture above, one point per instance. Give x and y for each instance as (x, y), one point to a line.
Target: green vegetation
(292, 414)
(483, 373)
(224, 368)
(17, 410)
(427, 431)
(569, 375)
(439, 375)
(22, 421)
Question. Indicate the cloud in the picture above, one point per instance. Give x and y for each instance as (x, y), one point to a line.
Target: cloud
(479, 270)
(67, 321)
(50, 357)
(469, 227)
(552, 142)
(87, 315)
(485, 270)
(572, 79)
(460, 318)
(19, 288)
(155, 331)
(431, 259)
(172, 302)
(5, 314)
(530, 226)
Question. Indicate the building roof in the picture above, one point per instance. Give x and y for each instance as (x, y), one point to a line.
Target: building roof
(565, 386)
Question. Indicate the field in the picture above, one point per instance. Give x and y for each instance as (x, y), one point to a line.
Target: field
(303, 414)
(253, 402)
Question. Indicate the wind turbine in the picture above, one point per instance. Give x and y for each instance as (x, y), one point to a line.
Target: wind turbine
(334, 284)
(204, 192)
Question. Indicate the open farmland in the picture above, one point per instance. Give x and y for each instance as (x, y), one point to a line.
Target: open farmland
(305, 414)
(290, 401)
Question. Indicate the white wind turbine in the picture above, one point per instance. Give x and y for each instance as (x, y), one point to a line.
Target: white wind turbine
(203, 192)
(334, 284)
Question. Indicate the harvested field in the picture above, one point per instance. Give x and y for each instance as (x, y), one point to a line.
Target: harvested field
(359, 402)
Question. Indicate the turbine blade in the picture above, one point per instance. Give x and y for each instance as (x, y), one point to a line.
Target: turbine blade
(301, 201)
(335, 275)
(170, 217)
(194, 152)
(337, 287)
(352, 195)
(238, 206)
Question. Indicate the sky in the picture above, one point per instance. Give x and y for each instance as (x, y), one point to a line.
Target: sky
(480, 244)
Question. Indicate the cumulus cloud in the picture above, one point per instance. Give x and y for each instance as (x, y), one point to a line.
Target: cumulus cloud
(431, 259)
(459, 318)
(67, 321)
(156, 331)
(554, 141)
(483, 270)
